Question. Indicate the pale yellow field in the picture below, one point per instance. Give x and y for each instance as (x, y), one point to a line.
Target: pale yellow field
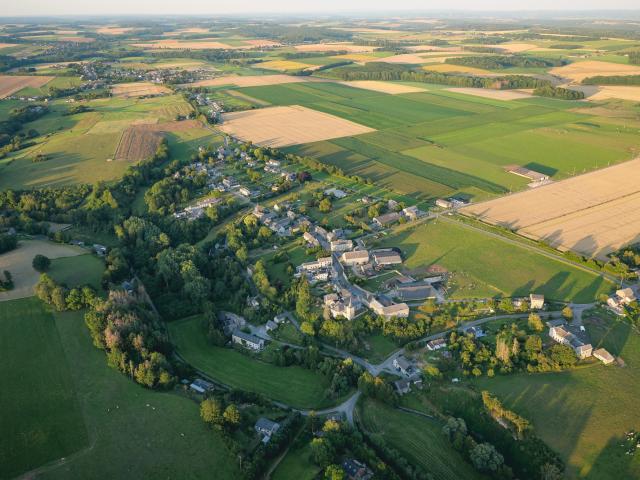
(516, 47)
(248, 81)
(172, 44)
(358, 57)
(10, 84)
(578, 71)
(592, 214)
(138, 89)
(448, 68)
(113, 30)
(412, 58)
(18, 262)
(330, 47)
(619, 92)
(430, 48)
(7, 45)
(384, 87)
(490, 93)
(284, 65)
(283, 126)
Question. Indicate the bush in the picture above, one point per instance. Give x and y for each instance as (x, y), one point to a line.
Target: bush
(41, 263)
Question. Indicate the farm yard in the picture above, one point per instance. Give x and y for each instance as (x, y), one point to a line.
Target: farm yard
(593, 214)
(10, 84)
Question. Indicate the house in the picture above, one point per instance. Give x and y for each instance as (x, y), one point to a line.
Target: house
(342, 305)
(536, 301)
(271, 325)
(356, 470)
(267, 428)
(412, 213)
(324, 262)
(335, 193)
(280, 318)
(442, 203)
(398, 310)
(604, 356)
(436, 344)
(100, 249)
(386, 257)
(273, 163)
(626, 295)
(392, 204)
(201, 386)
(403, 366)
(229, 182)
(566, 335)
(402, 386)
(477, 332)
(341, 245)
(357, 257)
(245, 191)
(310, 239)
(414, 291)
(386, 219)
(247, 340)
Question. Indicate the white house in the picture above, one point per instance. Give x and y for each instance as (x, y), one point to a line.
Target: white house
(536, 301)
(357, 257)
(247, 340)
(564, 336)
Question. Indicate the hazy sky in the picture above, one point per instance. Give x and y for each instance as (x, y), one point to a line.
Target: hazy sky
(159, 7)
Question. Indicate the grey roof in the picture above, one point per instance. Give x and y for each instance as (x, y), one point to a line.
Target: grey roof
(247, 337)
(264, 424)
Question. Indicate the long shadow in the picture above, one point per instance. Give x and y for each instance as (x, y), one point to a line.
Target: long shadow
(614, 463)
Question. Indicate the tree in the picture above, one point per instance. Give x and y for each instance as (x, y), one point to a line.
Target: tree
(567, 313)
(211, 411)
(325, 205)
(550, 471)
(231, 415)
(322, 451)
(41, 263)
(486, 458)
(304, 302)
(535, 322)
(334, 472)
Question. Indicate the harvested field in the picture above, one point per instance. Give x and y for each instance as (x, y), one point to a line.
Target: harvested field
(516, 47)
(618, 92)
(173, 126)
(115, 126)
(245, 97)
(7, 45)
(10, 84)
(248, 81)
(18, 262)
(578, 71)
(171, 44)
(137, 144)
(138, 89)
(384, 87)
(431, 48)
(292, 125)
(490, 93)
(113, 30)
(358, 57)
(411, 58)
(283, 65)
(334, 47)
(592, 214)
(448, 68)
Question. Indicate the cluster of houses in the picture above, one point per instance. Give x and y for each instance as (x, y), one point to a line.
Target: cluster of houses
(410, 375)
(576, 337)
(620, 300)
(282, 220)
(193, 212)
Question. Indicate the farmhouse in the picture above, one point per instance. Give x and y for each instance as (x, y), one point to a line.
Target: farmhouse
(412, 213)
(621, 298)
(357, 257)
(436, 344)
(386, 219)
(356, 470)
(310, 239)
(573, 338)
(335, 193)
(341, 245)
(385, 257)
(414, 291)
(399, 310)
(404, 366)
(604, 356)
(247, 340)
(267, 428)
(442, 203)
(402, 386)
(536, 301)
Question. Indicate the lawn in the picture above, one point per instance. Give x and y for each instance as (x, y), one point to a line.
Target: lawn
(484, 266)
(380, 347)
(40, 414)
(418, 438)
(297, 464)
(76, 271)
(294, 385)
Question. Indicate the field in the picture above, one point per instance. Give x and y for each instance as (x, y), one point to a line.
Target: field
(172, 44)
(485, 266)
(331, 47)
(490, 93)
(138, 89)
(578, 71)
(283, 65)
(248, 80)
(384, 87)
(294, 385)
(584, 413)
(40, 414)
(10, 84)
(75, 271)
(283, 126)
(593, 214)
(137, 144)
(18, 262)
(449, 68)
(621, 92)
(419, 439)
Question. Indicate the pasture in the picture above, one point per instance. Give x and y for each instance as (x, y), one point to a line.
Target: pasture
(593, 214)
(485, 266)
(419, 439)
(10, 84)
(293, 385)
(584, 413)
(80, 270)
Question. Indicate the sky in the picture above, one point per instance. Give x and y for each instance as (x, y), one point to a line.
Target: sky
(213, 7)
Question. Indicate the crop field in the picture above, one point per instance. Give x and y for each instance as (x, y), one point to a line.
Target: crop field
(484, 266)
(620, 92)
(491, 93)
(10, 84)
(384, 87)
(40, 414)
(283, 126)
(334, 47)
(578, 71)
(137, 144)
(448, 68)
(419, 439)
(592, 214)
(283, 65)
(138, 89)
(584, 413)
(18, 262)
(248, 80)
(293, 385)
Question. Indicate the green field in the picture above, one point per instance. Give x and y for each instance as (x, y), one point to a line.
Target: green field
(583, 414)
(297, 464)
(419, 439)
(75, 271)
(485, 266)
(294, 385)
(40, 414)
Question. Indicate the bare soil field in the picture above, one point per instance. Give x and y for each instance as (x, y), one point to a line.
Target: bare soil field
(331, 47)
(292, 125)
(138, 89)
(248, 81)
(10, 84)
(490, 93)
(592, 214)
(18, 262)
(384, 87)
(578, 71)
(618, 92)
(137, 144)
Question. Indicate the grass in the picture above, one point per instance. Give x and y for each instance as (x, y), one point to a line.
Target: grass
(380, 347)
(584, 413)
(487, 266)
(75, 271)
(293, 385)
(39, 410)
(419, 439)
(297, 464)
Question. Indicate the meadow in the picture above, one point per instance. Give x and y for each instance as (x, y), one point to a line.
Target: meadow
(81, 270)
(419, 439)
(293, 385)
(484, 266)
(584, 413)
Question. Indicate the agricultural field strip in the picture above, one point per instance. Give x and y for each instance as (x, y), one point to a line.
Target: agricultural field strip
(10, 84)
